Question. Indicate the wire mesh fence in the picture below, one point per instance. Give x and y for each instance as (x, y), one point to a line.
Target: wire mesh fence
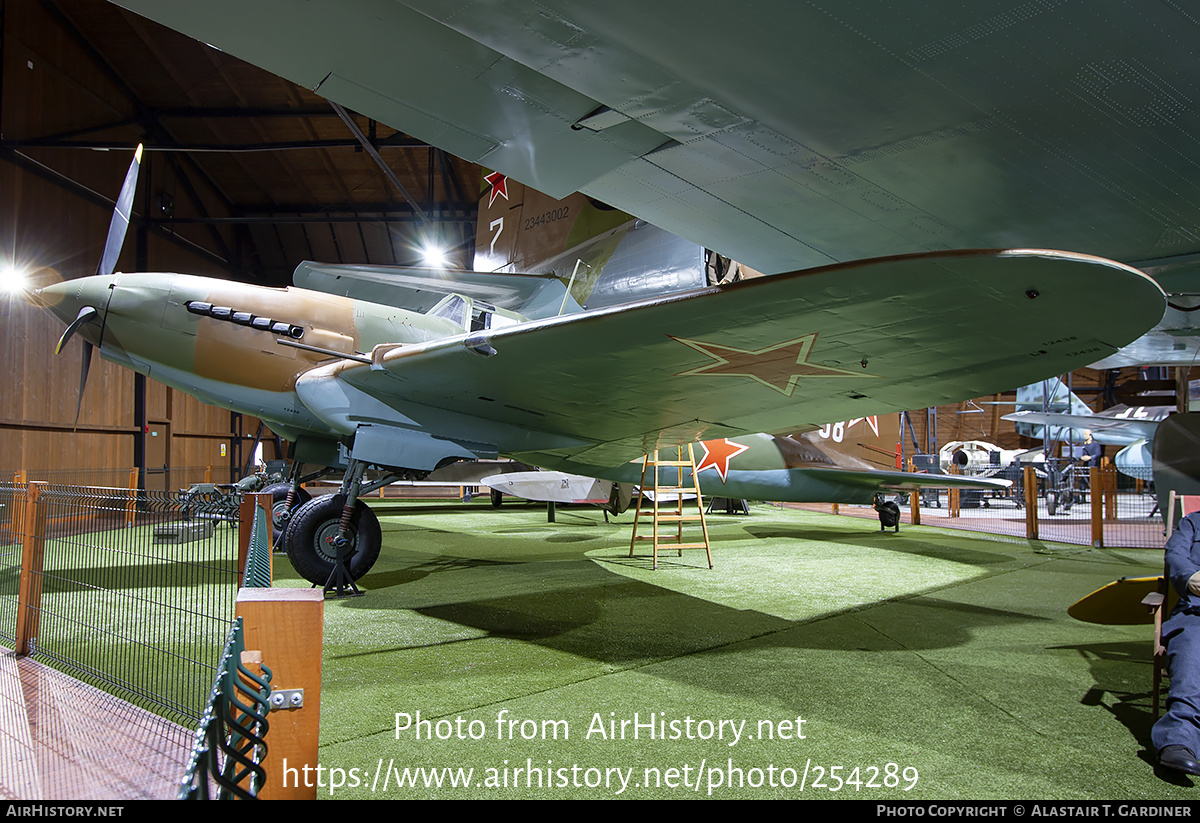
(1119, 510)
(12, 503)
(136, 592)
(122, 608)
(166, 479)
(230, 744)
(119, 604)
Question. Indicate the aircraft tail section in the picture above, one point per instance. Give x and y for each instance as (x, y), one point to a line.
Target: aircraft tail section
(604, 256)
(1059, 398)
(1054, 397)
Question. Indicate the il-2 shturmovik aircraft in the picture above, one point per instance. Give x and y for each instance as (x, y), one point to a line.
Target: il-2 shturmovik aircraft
(440, 366)
(842, 148)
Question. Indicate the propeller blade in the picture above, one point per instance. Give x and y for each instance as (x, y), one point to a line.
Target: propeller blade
(112, 250)
(120, 218)
(85, 367)
(86, 315)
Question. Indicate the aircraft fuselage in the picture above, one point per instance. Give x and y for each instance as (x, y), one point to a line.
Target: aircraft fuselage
(234, 345)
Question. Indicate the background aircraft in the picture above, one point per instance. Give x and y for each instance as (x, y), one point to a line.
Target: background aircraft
(1131, 427)
(980, 458)
(809, 467)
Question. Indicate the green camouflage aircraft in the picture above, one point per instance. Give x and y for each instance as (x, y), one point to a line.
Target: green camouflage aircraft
(440, 366)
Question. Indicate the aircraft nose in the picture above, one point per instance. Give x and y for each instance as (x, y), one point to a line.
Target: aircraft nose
(80, 304)
(65, 300)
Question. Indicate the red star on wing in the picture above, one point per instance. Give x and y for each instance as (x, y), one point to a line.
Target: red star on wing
(717, 454)
(777, 367)
(499, 184)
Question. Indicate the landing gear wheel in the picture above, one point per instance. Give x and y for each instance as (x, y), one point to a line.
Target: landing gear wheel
(279, 512)
(1051, 503)
(497, 498)
(310, 536)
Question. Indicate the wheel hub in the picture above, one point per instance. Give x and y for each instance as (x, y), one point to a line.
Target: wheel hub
(329, 538)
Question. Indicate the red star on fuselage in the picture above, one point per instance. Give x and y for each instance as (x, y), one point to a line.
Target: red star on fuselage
(717, 454)
(499, 184)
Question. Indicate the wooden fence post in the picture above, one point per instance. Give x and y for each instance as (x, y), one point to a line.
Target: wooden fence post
(914, 499)
(131, 505)
(29, 591)
(286, 625)
(1031, 504)
(1096, 483)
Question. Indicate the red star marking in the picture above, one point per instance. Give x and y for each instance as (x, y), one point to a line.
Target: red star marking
(717, 454)
(778, 367)
(499, 184)
(872, 421)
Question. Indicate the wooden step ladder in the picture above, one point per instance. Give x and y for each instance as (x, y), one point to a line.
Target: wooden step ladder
(650, 465)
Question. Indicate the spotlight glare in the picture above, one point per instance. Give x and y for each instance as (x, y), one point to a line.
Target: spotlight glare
(434, 256)
(13, 279)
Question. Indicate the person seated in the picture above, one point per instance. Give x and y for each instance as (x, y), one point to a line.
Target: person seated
(1176, 735)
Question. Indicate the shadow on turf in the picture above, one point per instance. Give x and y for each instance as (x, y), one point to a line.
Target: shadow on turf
(924, 544)
(1132, 709)
(398, 577)
(602, 615)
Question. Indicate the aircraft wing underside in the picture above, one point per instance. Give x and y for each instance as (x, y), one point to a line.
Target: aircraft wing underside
(786, 351)
(783, 135)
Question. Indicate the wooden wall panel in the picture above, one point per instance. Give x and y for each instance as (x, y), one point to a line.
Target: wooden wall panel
(49, 219)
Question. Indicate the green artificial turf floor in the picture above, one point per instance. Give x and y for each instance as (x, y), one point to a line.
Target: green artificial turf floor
(819, 659)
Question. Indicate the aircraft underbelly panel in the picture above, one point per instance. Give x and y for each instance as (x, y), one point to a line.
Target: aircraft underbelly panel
(344, 408)
(282, 407)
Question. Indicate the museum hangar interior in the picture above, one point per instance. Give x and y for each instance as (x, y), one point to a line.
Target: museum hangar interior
(954, 659)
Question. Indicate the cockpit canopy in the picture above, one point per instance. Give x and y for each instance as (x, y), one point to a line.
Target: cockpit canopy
(470, 315)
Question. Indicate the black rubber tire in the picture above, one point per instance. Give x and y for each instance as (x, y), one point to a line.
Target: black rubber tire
(279, 493)
(497, 497)
(308, 539)
(1051, 503)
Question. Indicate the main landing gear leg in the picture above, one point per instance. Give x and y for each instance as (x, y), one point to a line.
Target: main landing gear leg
(286, 497)
(344, 539)
(334, 540)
